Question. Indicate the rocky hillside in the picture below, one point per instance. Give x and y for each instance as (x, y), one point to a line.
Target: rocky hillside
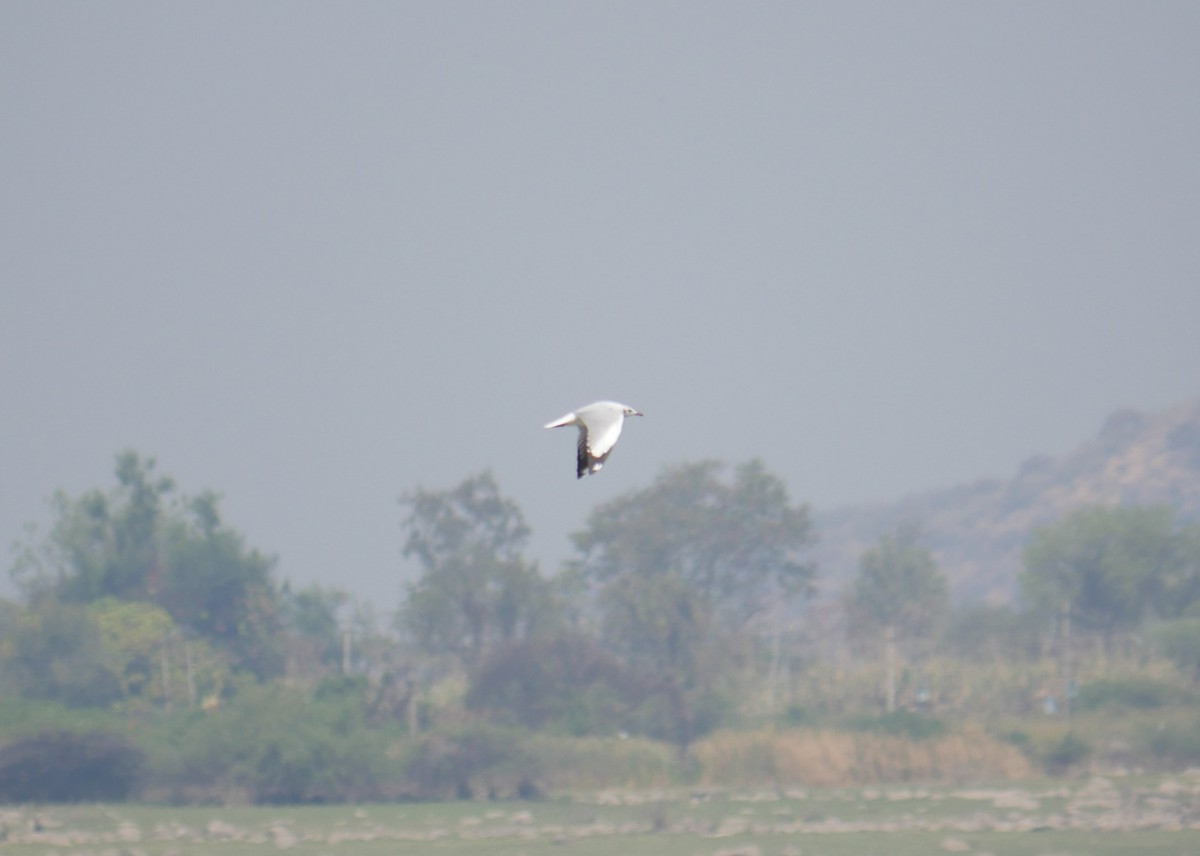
(977, 531)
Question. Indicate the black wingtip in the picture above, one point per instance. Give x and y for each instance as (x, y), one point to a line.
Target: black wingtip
(581, 457)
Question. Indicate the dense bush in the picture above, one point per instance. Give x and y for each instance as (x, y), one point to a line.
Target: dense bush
(1175, 745)
(1019, 738)
(658, 715)
(1067, 752)
(54, 653)
(564, 684)
(273, 744)
(472, 761)
(68, 766)
(24, 716)
(901, 723)
(1180, 642)
(1140, 693)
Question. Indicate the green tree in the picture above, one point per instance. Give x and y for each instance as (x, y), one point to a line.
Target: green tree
(738, 545)
(132, 545)
(990, 633)
(155, 661)
(55, 652)
(679, 570)
(564, 682)
(476, 588)
(1179, 640)
(684, 658)
(221, 590)
(314, 628)
(133, 636)
(106, 544)
(899, 592)
(1108, 567)
(899, 585)
(1177, 591)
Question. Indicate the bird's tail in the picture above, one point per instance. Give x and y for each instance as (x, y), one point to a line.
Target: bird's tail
(569, 419)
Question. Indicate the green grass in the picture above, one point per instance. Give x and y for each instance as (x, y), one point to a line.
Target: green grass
(1133, 815)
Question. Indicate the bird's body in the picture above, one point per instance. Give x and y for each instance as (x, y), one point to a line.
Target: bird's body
(599, 427)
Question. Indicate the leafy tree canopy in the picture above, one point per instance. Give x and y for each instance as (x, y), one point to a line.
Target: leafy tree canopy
(1110, 566)
(55, 652)
(899, 584)
(476, 588)
(679, 569)
(103, 544)
(737, 544)
(311, 616)
(216, 586)
(565, 682)
(139, 542)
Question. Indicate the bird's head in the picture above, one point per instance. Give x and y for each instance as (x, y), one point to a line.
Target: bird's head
(629, 411)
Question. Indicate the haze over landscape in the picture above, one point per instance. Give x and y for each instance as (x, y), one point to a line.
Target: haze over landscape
(315, 256)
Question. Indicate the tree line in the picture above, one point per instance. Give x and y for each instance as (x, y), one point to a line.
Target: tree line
(685, 598)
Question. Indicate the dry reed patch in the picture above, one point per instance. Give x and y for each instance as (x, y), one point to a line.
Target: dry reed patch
(824, 758)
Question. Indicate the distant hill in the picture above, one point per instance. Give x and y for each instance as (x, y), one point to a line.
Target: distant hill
(977, 530)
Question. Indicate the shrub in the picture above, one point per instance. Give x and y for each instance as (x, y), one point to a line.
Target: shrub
(1018, 738)
(1067, 752)
(1176, 745)
(901, 723)
(1180, 642)
(564, 683)
(54, 653)
(1139, 693)
(471, 761)
(352, 687)
(25, 716)
(273, 744)
(796, 714)
(68, 766)
(658, 715)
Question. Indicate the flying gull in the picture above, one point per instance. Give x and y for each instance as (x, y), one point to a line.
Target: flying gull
(599, 427)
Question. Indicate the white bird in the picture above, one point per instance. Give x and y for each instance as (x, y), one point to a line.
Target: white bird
(599, 427)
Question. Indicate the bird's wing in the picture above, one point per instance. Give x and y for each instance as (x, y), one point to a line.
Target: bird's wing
(569, 419)
(583, 460)
(603, 428)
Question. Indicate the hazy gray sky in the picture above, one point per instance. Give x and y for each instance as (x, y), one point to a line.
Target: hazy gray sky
(314, 255)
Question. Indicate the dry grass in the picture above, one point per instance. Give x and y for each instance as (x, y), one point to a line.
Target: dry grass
(823, 758)
(580, 763)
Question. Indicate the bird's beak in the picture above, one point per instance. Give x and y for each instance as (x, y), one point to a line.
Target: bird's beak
(638, 413)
